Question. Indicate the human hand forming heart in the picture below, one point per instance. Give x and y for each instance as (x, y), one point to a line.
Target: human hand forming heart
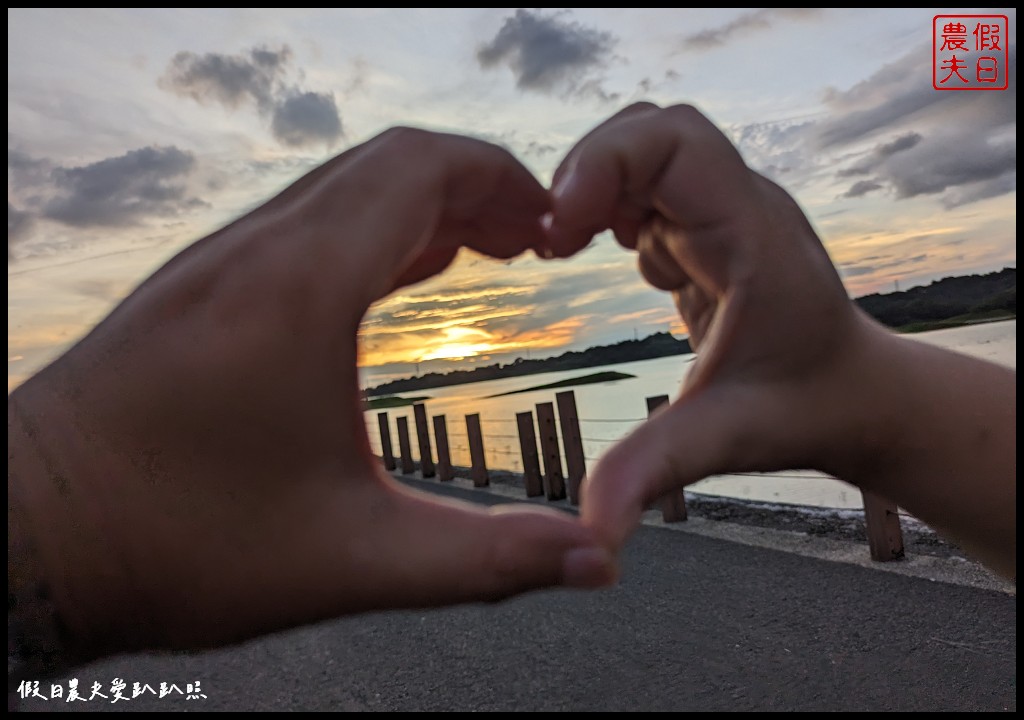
(790, 373)
(196, 470)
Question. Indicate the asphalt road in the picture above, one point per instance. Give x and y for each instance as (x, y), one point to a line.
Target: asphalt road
(696, 624)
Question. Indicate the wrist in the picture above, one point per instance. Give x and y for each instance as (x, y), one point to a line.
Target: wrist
(37, 642)
(872, 408)
(61, 556)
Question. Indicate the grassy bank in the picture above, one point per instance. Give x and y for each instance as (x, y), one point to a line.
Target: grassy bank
(391, 401)
(973, 318)
(571, 382)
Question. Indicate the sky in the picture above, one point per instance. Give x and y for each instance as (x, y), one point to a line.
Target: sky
(134, 132)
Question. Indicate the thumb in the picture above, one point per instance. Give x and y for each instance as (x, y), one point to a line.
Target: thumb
(451, 551)
(679, 445)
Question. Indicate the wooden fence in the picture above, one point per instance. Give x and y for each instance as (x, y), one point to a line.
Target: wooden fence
(885, 537)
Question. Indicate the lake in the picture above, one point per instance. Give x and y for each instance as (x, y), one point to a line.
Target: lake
(608, 411)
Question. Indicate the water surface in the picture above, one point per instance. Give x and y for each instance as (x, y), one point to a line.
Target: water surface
(608, 411)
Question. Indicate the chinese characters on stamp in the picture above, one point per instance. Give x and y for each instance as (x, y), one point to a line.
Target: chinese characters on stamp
(970, 52)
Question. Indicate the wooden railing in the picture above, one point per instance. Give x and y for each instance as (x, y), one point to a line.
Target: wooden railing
(542, 468)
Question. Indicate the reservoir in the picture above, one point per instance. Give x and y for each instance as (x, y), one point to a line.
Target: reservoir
(608, 411)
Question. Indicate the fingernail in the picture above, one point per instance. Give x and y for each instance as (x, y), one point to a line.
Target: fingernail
(588, 567)
(544, 250)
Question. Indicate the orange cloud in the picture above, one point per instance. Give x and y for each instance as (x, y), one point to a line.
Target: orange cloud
(464, 341)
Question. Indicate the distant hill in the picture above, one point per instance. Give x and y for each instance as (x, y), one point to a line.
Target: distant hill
(945, 303)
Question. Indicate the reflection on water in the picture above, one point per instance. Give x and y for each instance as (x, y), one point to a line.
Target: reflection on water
(608, 411)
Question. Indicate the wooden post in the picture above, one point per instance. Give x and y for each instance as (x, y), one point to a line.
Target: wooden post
(423, 436)
(444, 458)
(554, 485)
(404, 447)
(476, 451)
(531, 461)
(576, 464)
(673, 505)
(885, 537)
(386, 449)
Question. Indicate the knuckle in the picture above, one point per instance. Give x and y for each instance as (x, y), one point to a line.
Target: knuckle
(685, 112)
(696, 125)
(404, 139)
(640, 107)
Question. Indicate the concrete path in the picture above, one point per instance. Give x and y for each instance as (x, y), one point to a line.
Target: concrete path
(697, 623)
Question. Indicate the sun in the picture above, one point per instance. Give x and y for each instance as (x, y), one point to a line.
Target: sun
(458, 351)
(460, 343)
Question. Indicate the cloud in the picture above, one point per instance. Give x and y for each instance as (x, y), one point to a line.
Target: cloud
(307, 118)
(24, 170)
(887, 133)
(517, 145)
(18, 222)
(862, 187)
(961, 146)
(539, 149)
(297, 117)
(746, 23)
(550, 55)
(903, 142)
(228, 79)
(105, 290)
(879, 154)
(941, 164)
(437, 318)
(780, 150)
(124, 190)
(129, 190)
(980, 191)
(856, 269)
(900, 92)
(961, 163)
(912, 165)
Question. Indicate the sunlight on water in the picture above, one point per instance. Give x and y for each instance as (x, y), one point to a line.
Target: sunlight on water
(608, 411)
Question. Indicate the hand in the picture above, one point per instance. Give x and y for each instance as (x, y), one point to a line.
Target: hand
(768, 315)
(777, 338)
(789, 373)
(196, 470)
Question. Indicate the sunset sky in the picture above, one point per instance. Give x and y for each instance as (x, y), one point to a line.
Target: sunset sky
(132, 133)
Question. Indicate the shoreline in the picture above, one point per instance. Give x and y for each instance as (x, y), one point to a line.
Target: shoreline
(835, 523)
(910, 330)
(831, 534)
(931, 325)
